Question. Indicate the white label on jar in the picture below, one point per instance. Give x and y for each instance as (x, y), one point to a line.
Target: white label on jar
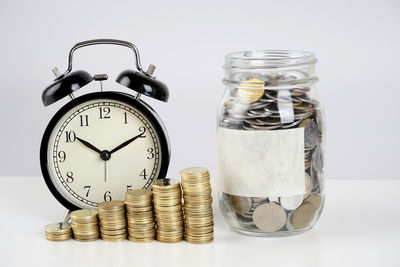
(260, 163)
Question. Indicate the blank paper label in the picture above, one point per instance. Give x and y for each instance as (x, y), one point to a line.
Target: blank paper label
(260, 163)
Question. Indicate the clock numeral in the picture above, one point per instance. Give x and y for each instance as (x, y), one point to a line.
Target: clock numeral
(87, 187)
(143, 174)
(70, 177)
(104, 113)
(62, 156)
(125, 118)
(84, 120)
(107, 196)
(128, 188)
(70, 136)
(142, 130)
(151, 153)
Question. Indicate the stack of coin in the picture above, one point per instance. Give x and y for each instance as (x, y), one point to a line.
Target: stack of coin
(59, 231)
(168, 209)
(85, 225)
(112, 221)
(139, 213)
(199, 223)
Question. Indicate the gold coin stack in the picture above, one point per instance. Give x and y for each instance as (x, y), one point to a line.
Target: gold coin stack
(168, 209)
(199, 220)
(85, 225)
(59, 231)
(139, 212)
(112, 221)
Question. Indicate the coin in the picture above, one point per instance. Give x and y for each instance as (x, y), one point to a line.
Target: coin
(269, 217)
(240, 204)
(309, 184)
(317, 159)
(291, 202)
(310, 133)
(58, 231)
(305, 214)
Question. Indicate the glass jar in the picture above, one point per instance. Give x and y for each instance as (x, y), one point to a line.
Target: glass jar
(270, 143)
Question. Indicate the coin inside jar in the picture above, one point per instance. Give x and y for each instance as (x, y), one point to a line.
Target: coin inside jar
(240, 204)
(310, 133)
(291, 202)
(250, 95)
(269, 217)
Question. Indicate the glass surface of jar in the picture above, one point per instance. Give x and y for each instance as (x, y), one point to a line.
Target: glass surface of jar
(270, 143)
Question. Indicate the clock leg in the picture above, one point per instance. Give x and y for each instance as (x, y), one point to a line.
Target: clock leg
(67, 216)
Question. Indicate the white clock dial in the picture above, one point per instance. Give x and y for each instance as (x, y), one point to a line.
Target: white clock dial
(100, 149)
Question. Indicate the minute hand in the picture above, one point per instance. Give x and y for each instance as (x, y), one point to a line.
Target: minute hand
(126, 143)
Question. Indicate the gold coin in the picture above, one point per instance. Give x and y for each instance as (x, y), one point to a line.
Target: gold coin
(165, 184)
(86, 240)
(58, 228)
(192, 240)
(141, 240)
(247, 95)
(83, 214)
(169, 240)
(59, 238)
(193, 171)
(200, 229)
(138, 194)
(114, 238)
(114, 205)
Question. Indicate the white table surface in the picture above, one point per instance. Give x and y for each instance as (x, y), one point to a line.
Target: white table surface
(360, 226)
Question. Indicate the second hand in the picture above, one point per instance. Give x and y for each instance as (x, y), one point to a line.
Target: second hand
(105, 171)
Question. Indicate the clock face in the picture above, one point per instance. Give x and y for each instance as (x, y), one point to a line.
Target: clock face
(101, 148)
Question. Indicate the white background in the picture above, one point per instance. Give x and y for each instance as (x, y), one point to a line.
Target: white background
(356, 43)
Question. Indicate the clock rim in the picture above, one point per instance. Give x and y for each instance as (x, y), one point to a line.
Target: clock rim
(130, 100)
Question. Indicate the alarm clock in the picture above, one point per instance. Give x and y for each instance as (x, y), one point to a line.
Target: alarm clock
(101, 145)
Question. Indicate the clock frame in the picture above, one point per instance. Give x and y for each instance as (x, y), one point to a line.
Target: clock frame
(129, 100)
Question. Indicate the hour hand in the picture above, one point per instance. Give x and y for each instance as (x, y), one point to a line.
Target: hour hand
(89, 145)
(127, 142)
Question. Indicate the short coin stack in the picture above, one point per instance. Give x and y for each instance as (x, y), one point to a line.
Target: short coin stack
(139, 212)
(85, 225)
(112, 221)
(59, 231)
(199, 223)
(168, 210)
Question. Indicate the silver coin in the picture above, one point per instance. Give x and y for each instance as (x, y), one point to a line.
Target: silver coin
(269, 217)
(273, 199)
(291, 202)
(309, 185)
(310, 135)
(317, 159)
(286, 126)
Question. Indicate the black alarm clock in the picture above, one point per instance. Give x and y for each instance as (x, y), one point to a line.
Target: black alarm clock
(102, 144)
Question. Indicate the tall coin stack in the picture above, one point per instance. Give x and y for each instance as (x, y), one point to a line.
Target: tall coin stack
(85, 225)
(59, 231)
(168, 209)
(112, 221)
(139, 212)
(199, 223)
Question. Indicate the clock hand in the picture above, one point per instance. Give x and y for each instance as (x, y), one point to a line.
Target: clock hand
(89, 145)
(127, 143)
